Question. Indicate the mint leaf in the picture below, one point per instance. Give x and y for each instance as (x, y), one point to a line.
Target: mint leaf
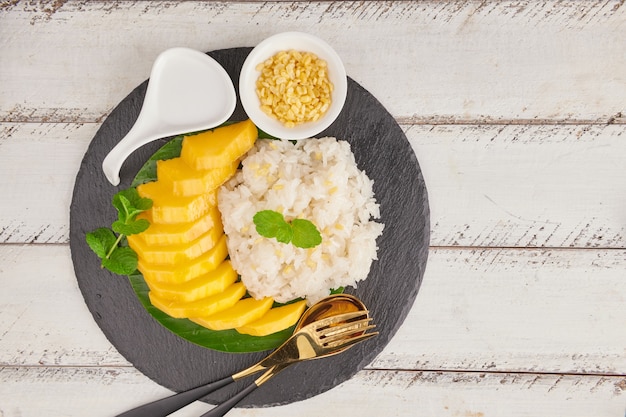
(270, 223)
(123, 261)
(120, 260)
(302, 233)
(305, 234)
(130, 228)
(136, 201)
(125, 210)
(284, 233)
(129, 204)
(101, 241)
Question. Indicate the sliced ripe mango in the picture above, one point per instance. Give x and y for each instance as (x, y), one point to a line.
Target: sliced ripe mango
(175, 254)
(185, 271)
(243, 312)
(275, 320)
(204, 286)
(219, 147)
(205, 306)
(169, 208)
(187, 181)
(159, 234)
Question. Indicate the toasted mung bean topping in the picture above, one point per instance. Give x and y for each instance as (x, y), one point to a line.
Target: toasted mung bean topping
(294, 87)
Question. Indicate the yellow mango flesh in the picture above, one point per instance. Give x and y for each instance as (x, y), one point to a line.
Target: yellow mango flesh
(169, 208)
(159, 234)
(205, 306)
(275, 320)
(209, 284)
(243, 312)
(182, 255)
(187, 181)
(175, 254)
(185, 271)
(222, 146)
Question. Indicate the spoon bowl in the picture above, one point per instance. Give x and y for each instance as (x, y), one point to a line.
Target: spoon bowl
(330, 306)
(187, 91)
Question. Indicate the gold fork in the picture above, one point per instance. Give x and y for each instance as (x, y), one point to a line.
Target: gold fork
(321, 338)
(317, 340)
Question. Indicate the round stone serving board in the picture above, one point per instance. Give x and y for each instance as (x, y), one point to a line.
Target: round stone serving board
(380, 148)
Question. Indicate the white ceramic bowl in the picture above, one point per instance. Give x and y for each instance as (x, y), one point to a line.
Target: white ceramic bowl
(300, 42)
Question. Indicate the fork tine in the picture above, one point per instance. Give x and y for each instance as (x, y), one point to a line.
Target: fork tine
(339, 318)
(340, 328)
(348, 333)
(345, 343)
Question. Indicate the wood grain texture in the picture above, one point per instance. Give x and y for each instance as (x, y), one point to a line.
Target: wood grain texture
(453, 61)
(39, 165)
(516, 112)
(106, 391)
(524, 186)
(486, 310)
(517, 185)
(554, 310)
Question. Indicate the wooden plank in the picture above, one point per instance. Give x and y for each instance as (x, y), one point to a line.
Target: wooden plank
(505, 310)
(44, 320)
(70, 391)
(516, 310)
(524, 186)
(39, 164)
(453, 61)
(538, 186)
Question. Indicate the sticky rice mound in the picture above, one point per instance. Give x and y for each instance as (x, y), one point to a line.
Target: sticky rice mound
(314, 179)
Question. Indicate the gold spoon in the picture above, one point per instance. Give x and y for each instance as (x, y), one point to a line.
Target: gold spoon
(327, 328)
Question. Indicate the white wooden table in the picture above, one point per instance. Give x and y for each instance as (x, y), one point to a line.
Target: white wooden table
(516, 111)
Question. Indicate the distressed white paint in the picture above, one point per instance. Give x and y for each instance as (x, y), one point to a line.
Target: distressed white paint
(39, 163)
(535, 310)
(524, 186)
(76, 392)
(499, 310)
(515, 110)
(453, 60)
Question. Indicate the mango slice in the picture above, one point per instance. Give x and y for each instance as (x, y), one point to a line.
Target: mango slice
(205, 306)
(169, 208)
(175, 254)
(222, 146)
(187, 181)
(159, 234)
(204, 286)
(275, 320)
(186, 271)
(243, 312)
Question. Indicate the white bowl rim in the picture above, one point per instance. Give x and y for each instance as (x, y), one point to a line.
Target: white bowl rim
(303, 42)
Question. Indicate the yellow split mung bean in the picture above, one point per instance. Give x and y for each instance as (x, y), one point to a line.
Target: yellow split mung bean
(294, 87)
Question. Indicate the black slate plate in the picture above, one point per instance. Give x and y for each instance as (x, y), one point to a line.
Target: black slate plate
(380, 148)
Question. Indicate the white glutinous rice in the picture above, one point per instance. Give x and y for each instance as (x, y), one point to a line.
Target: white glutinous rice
(313, 179)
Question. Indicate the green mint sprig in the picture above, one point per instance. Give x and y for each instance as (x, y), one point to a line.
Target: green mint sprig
(300, 232)
(103, 242)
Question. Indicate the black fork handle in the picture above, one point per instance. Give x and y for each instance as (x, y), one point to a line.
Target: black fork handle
(167, 405)
(227, 405)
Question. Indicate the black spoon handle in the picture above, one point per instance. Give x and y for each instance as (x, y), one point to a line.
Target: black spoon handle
(227, 405)
(166, 406)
